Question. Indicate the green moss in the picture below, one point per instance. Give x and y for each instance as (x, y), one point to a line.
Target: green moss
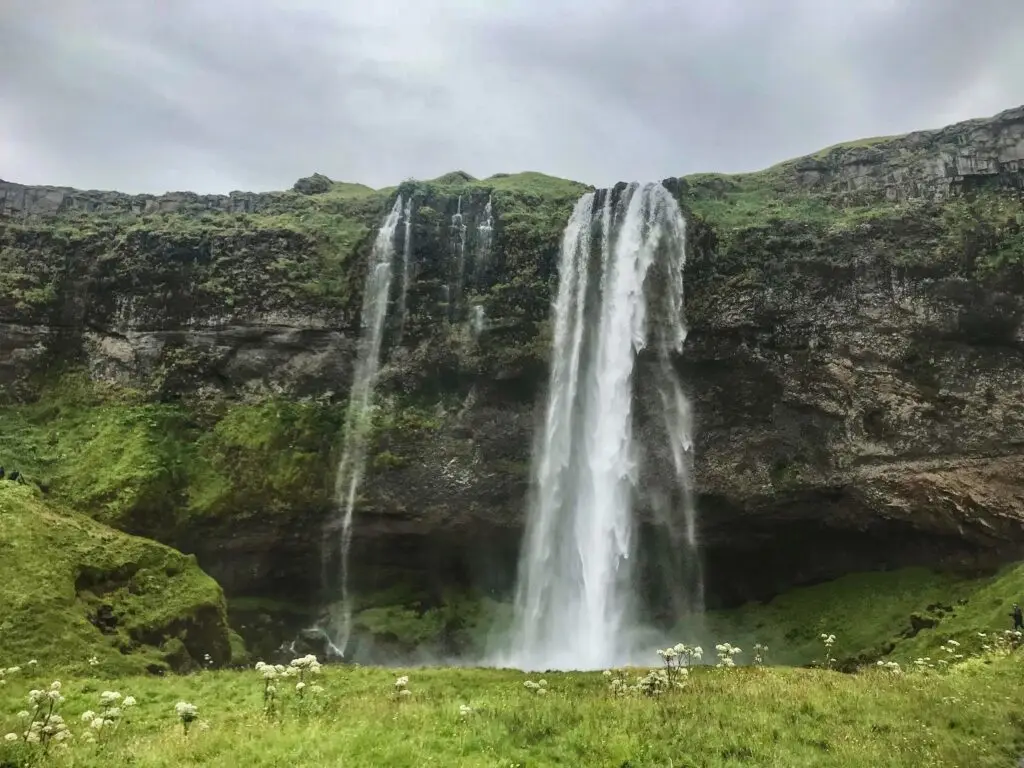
(150, 467)
(265, 458)
(387, 460)
(57, 569)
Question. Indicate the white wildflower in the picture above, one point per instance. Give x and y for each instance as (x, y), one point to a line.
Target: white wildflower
(97, 723)
(299, 686)
(109, 697)
(88, 716)
(402, 682)
(129, 701)
(11, 737)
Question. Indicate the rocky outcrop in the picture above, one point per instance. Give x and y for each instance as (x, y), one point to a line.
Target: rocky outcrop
(19, 200)
(857, 373)
(932, 164)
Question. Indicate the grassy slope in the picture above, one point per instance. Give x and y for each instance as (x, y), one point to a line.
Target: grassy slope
(57, 567)
(870, 614)
(775, 717)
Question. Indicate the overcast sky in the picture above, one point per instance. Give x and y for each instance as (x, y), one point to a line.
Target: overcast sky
(215, 95)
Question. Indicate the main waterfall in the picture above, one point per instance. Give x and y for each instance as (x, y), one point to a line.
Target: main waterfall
(622, 261)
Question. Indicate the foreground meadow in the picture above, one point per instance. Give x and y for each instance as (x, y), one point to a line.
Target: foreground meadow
(966, 714)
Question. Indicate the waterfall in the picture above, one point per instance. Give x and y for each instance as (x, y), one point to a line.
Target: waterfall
(458, 236)
(358, 415)
(485, 241)
(406, 269)
(622, 255)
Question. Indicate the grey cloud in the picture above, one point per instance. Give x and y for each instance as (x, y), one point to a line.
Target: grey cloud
(217, 96)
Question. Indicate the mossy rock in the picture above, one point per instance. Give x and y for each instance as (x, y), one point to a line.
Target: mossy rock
(73, 589)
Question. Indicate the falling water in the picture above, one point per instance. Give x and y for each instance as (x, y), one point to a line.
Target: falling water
(406, 268)
(477, 321)
(485, 241)
(458, 230)
(358, 414)
(622, 254)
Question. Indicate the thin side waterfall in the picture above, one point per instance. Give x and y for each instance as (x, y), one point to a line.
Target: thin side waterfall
(458, 237)
(406, 268)
(622, 260)
(485, 241)
(358, 415)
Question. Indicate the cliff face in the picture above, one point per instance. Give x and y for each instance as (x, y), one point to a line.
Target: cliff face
(856, 360)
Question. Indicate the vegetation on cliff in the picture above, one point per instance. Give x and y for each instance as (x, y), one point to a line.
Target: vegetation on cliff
(73, 590)
(174, 420)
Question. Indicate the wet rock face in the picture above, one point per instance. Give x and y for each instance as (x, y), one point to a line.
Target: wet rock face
(858, 389)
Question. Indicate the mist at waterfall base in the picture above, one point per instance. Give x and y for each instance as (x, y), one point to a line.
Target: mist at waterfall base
(578, 603)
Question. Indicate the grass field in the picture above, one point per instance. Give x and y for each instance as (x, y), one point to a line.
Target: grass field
(969, 715)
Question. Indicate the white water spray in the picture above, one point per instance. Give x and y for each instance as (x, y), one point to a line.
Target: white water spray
(406, 268)
(485, 239)
(575, 599)
(358, 415)
(458, 236)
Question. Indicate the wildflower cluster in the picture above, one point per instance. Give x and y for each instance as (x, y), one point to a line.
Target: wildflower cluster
(1008, 641)
(298, 668)
(110, 715)
(760, 651)
(43, 724)
(892, 667)
(402, 687)
(726, 653)
(682, 655)
(187, 713)
(654, 683)
(8, 671)
(952, 650)
(307, 665)
(828, 641)
(465, 710)
(540, 687)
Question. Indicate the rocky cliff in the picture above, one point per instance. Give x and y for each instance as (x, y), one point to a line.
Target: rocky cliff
(176, 367)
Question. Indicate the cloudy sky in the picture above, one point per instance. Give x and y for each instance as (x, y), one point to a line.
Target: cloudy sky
(215, 95)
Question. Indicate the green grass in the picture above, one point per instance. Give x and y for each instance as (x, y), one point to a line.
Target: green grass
(867, 612)
(871, 616)
(57, 568)
(746, 716)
